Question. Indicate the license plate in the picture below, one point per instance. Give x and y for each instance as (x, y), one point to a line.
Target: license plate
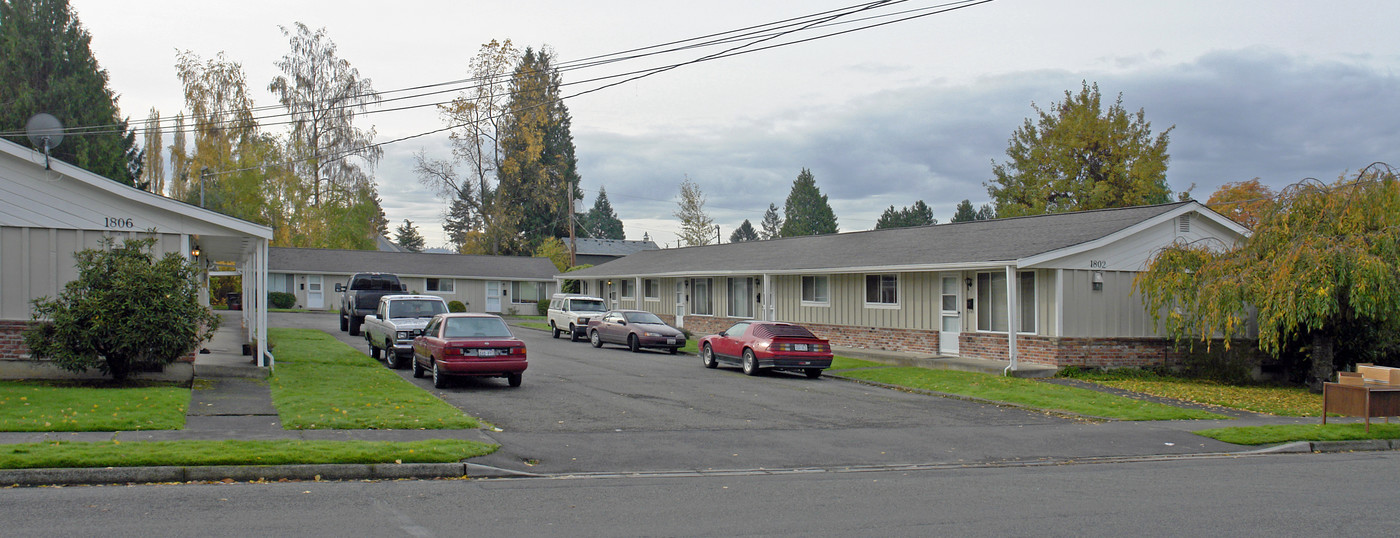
(799, 347)
(670, 341)
(804, 363)
(486, 353)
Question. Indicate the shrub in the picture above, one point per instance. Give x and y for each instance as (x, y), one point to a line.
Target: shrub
(126, 311)
(542, 308)
(456, 306)
(281, 299)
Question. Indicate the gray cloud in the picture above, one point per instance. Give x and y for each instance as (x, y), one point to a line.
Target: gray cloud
(1238, 115)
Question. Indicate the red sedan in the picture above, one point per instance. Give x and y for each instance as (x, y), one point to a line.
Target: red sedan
(759, 345)
(465, 344)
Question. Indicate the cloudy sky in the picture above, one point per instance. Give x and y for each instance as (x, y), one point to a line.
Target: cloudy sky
(1280, 90)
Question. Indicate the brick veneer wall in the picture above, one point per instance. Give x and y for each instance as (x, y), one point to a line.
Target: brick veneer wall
(841, 335)
(12, 340)
(1063, 352)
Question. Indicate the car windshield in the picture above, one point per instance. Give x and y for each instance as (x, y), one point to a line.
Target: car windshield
(416, 309)
(475, 328)
(642, 317)
(587, 305)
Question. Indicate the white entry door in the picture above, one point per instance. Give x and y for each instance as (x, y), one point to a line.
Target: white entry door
(493, 296)
(680, 303)
(951, 316)
(315, 295)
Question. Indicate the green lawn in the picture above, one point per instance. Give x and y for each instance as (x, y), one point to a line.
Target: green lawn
(65, 406)
(1273, 400)
(60, 454)
(534, 325)
(1263, 435)
(847, 363)
(1027, 393)
(321, 383)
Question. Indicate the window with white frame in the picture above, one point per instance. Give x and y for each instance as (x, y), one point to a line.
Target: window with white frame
(440, 285)
(627, 288)
(814, 291)
(701, 301)
(741, 297)
(882, 290)
(526, 292)
(652, 289)
(991, 302)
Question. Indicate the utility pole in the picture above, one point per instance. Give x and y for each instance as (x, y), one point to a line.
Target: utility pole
(573, 242)
(718, 238)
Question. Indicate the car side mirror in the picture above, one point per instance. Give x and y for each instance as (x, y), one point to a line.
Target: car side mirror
(723, 333)
(622, 322)
(339, 288)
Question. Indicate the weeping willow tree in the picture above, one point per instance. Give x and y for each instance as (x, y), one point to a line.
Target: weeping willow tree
(1322, 258)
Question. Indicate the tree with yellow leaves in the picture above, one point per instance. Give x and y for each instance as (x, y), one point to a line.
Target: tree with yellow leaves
(1322, 261)
(1242, 201)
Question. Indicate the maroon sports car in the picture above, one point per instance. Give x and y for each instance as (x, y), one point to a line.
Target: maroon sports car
(760, 345)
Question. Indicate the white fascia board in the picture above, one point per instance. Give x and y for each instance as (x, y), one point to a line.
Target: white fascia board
(1194, 206)
(407, 275)
(144, 197)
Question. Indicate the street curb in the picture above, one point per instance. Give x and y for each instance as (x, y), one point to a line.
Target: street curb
(237, 473)
(1356, 446)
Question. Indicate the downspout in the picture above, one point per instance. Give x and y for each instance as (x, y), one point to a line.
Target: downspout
(1013, 321)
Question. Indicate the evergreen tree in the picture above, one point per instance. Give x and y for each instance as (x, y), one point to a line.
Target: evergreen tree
(806, 211)
(744, 232)
(772, 225)
(1078, 157)
(965, 212)
(461, 220)
(918, 214)
(987, 212)
(408, 237)
(538, 173)
(697, 228)
(601, 222)
(46, 65)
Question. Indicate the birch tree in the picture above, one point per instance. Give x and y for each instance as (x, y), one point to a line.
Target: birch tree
(697, 228)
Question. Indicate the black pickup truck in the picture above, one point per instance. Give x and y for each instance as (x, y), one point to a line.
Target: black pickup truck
(361, 297)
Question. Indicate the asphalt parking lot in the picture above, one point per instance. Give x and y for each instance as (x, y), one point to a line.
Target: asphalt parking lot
(586, 410)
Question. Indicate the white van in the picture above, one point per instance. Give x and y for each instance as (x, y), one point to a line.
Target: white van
(571, 312)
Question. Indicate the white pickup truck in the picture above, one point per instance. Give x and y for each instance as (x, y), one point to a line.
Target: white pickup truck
(392, 326)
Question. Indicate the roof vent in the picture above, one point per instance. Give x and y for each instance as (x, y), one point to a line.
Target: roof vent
(1183, 223)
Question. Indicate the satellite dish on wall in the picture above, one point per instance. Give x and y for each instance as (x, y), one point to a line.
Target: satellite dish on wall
(45, 132)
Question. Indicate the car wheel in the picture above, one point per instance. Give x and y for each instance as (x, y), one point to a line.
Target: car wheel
(707, 357)
(594, 339)
(515, 379)
(813, 373)
(439, 380)
(554, 329)
(750, 362)
(633, 344)
(674, 350)
(354, 327)
(391, 357)
(344, 325)
(373, 351)
(418, 370)
(573, 333)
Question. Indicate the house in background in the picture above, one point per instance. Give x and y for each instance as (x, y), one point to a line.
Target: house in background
(49, 213)
(599, 251)
(497, 284)
(1053, 290)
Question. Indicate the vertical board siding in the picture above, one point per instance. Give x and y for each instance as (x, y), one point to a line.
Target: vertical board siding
(38, 262)
(1117, 311)
(918, 307)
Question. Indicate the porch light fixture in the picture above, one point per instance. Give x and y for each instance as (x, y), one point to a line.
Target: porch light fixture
(1098, 281)
(969, 282)
(195, 252)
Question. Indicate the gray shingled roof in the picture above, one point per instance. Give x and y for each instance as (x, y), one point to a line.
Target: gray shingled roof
(315, 260)
(988, 241)
(610, 247)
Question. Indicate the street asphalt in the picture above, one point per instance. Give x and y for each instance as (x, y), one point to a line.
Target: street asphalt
(585, 411)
